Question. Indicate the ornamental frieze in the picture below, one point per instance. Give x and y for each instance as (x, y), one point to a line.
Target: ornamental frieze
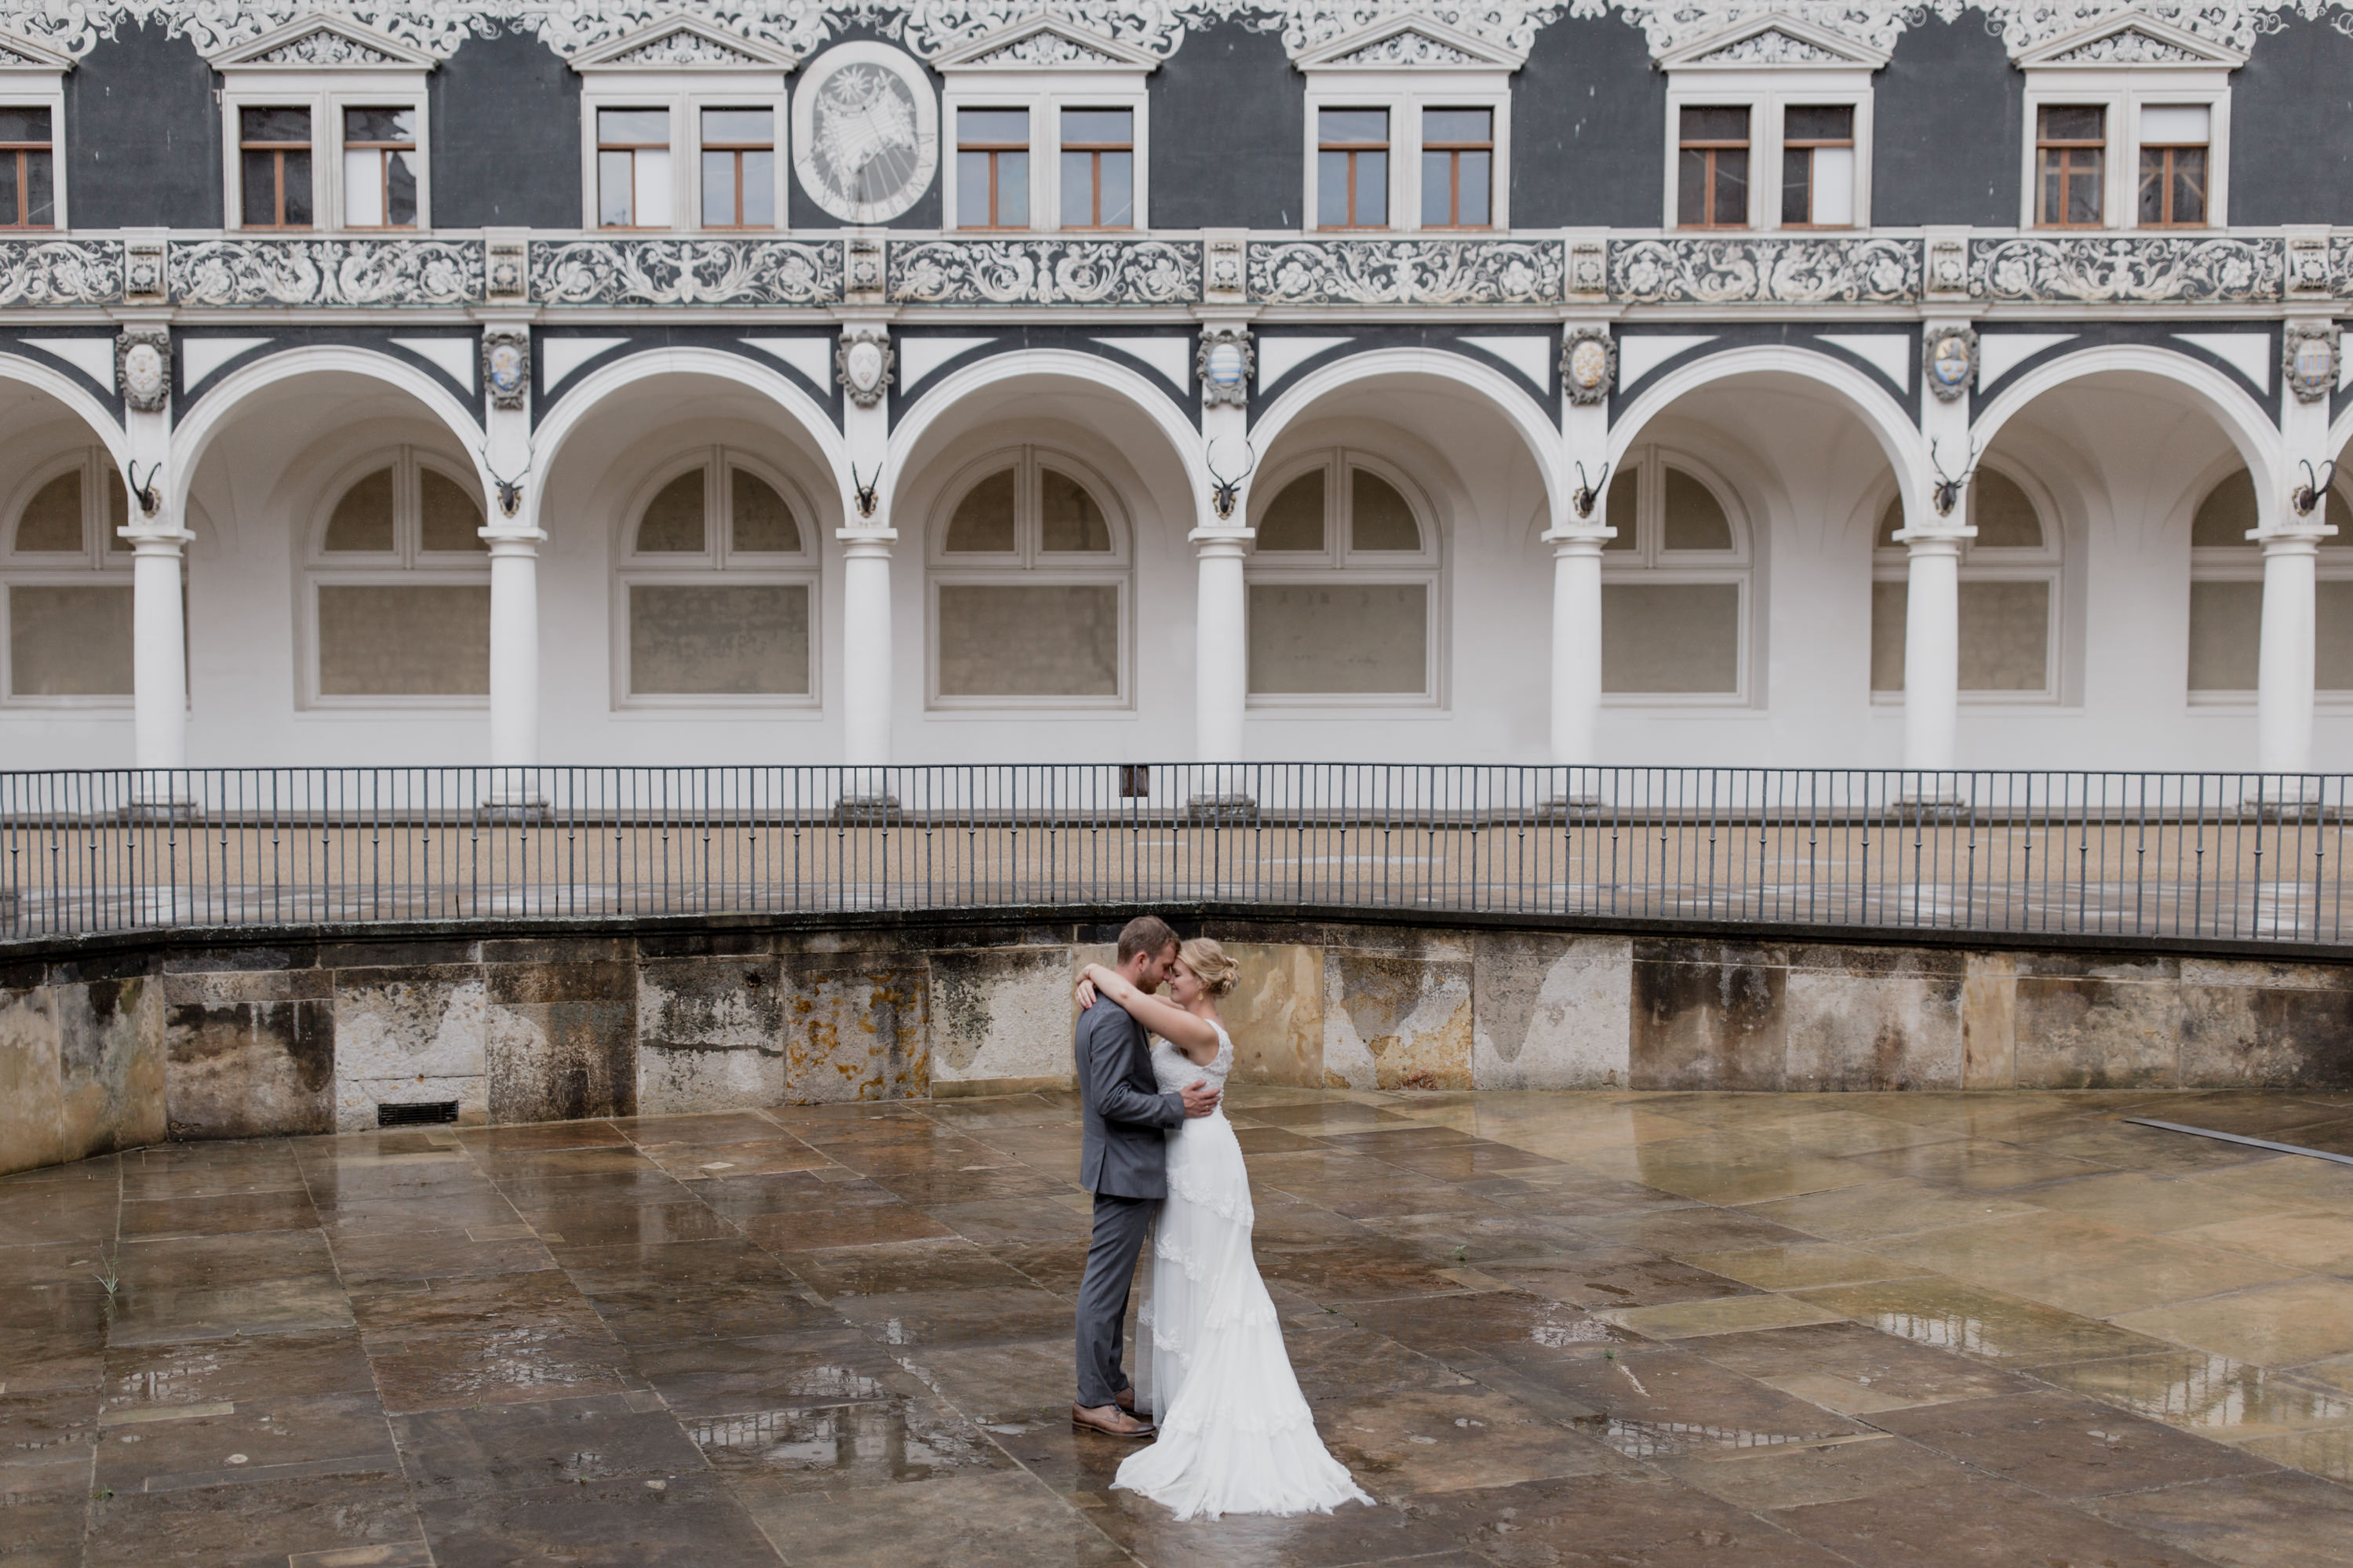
(685, 272)
(325, 272)
(1044, 272)
(1406, 272)
(1744, 270)
(60, 272)
(2129, 269)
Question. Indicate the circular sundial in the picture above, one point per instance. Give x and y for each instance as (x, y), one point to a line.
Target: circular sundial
(865, 133)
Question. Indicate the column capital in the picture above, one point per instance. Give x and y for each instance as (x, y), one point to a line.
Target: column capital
(1933, 541)
(2290, 541)
(867, 541)
(155, 540)
(1576, 541)
(1209, 541)
(512, 540)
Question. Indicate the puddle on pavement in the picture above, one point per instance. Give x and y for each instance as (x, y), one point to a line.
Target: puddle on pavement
(2212, 1394)
(898, 1439)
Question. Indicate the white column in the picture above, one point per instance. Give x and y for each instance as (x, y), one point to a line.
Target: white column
(513, 540)
(1222, 653)
(159, 624)
(866, 646)
(1577, 539)
(2284, 673)
(1932, 645)
(868, 688)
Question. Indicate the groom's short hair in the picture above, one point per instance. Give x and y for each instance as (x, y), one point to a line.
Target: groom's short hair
(1144, 934)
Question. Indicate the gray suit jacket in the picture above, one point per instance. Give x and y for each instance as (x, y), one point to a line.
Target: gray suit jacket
(1125, 1153)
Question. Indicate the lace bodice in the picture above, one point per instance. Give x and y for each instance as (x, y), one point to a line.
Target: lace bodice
(1172, 1070)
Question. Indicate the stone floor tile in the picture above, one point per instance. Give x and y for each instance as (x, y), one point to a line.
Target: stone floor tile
(258, 1523)
(511, 1366)
(1717, 1176)
(145, 1176)
(48, 1427)
(860, 1225)
(219, 1215)
(1854, 1370)
(1352, 1534)
(668, 1313)
(589, 1134)
(1006, 1520)
(1724, 1315)
(2063, 1446)
(2290, 1178)
(699, 1129)
(2326, 1451)
(948, 1262)
(2274, 1325)
(1985, 1325)
(1021, 1383)
(251, 1436)
(536, 1300)
(163, 1315)
(2209, 1395)
(2276, 1521)
(1355, 1271)
(2136, 1201)
(687, 1520)
(841, 1447)
(156, 1377)
(994, 1185)
(1797, 1475)
(1976, 1523)
(364, 1260)
(2122, 1146)
(2080, 1265)
(57, 1213)
(2313, 1239)
(413, 1216)
(60, 1262)
(1886, 1208)
(1015, 1220)
(235, 1258)
(544, 1164)
(630, 1223)
(1606, 1277)
(641, 1183)
(1687, 1230)
(1799, 1265)
(1653, 1404)
(1479, 1237)
(1508, 1325)
(1441, 1439)
(947, 1318)
(1604, 1521)
(1976, 1166)
(734, 1162)
(565, 1442)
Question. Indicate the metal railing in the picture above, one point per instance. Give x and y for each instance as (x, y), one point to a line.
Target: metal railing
(2225, 856)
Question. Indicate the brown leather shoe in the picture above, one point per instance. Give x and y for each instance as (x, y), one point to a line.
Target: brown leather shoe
(1127, 1398)
(1111, 1421)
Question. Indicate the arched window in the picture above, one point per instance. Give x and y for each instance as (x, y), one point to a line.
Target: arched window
(1674, 585)
(69, 584)
(1029, 586)
(1343, 583)
(718, 587)
(2226, 595)
(2009, 594)
(400, 585)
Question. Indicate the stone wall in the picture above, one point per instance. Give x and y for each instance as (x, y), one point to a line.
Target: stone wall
(113, 1044)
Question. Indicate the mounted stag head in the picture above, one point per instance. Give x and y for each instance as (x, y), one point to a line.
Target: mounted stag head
(1585, 495)
(1225, 492)
(2307, 495)
(1947, 493)
(510, 489)
(864, 491)
(149, 498)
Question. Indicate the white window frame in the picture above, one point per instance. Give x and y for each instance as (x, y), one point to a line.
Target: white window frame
(2124, 89)
(718, 562)
(1982, 563)
(1722, 70)
(2333, 563)
(1340, 565)
(104, 562)
(407, 565)
(1027, 566)
(39, 81)
(1651, 565)
(623, 74)
(392, 79)
(1366, 71)
(1045, 66)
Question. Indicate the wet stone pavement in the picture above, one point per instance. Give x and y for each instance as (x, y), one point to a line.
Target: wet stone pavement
(1543, 1329)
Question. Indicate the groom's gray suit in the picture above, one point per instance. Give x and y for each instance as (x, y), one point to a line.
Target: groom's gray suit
(1124, 1162)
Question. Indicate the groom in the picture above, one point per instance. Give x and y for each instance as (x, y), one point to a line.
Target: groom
(1123, 1164)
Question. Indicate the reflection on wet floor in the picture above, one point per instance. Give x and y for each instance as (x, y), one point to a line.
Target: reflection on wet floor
(1541, 1327)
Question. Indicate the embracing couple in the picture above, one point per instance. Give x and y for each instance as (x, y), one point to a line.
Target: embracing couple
(1234, 1432)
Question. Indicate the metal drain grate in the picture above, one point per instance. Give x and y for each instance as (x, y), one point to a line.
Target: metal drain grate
(417, 1113)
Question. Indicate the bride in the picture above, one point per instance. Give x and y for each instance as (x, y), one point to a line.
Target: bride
(1236, 1435)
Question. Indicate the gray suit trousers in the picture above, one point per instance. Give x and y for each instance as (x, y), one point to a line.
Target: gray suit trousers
(1120, 1225)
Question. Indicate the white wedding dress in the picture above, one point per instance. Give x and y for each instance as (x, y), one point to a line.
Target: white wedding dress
(1236, 1435)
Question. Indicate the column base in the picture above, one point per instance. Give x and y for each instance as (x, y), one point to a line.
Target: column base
(2291, 798)
(1221, 811)
(1569, 809)
(868, 811)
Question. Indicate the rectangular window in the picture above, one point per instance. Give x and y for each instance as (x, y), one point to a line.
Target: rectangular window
(1712, 168)
(28, 177)
(992, 168)
(2173, 146)
(1352, 168)
(274, 163)
(1458, 167)
(1670, 638)
(712, 638)
(2003, 640)
(426, 641)
(1098, 168)
(380, 168)
(633, 168)
(739, 168)
(2071, 150)
(69, 641)
(1337, 640)
(1048, 640)
(1817, 166)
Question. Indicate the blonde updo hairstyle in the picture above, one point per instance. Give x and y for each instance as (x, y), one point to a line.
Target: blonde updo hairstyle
(1209, 964)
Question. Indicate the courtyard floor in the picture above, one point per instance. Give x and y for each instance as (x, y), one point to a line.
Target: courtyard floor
(1542, 1329)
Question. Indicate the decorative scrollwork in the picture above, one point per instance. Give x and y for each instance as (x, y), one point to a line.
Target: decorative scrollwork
(38, 272)
(685, 272)
(325, 272)
(1734, 271)
(1045, 272)
(2119, 269)
(1406, 272)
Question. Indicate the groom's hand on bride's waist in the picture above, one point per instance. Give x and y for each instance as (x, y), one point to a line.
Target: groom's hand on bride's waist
(1200, 1099)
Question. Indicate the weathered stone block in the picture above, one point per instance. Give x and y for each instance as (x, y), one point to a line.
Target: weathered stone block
(1275, 1013)
(691, 1078)
(1550, 1012)
(561, 1060)
(1878, 1027)
(1989, 1022)
(2098, 1024)
(1708, 1016)
(2254, 1025)
(31, 1089)
(1000, 1013)
(110, 1066)
(250, 1069)
(710, 1003)
(854, 1027)
(403, 1036)
(1396, 1023)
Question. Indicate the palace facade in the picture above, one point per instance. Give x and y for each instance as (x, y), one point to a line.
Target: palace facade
(1816, 384)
